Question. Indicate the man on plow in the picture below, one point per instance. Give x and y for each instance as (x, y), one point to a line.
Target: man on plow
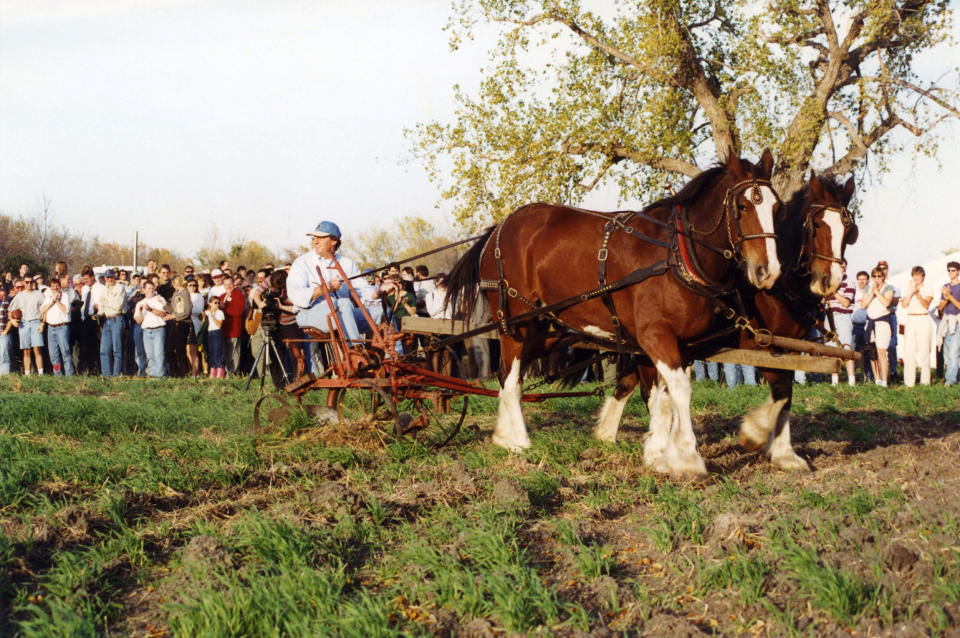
(305, 290)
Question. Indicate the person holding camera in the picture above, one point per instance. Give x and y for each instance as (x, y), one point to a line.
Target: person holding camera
(305, 290)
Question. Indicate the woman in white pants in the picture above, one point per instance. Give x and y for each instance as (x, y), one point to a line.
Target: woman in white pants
(918, 332)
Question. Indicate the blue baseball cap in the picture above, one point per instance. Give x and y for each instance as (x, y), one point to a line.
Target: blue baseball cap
(325, 229)
(110, 274)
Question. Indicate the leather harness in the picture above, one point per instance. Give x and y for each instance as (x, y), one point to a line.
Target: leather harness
(682, 262)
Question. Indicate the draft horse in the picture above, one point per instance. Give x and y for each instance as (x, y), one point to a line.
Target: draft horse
(812, 244)
(811, 239)
(668, 253)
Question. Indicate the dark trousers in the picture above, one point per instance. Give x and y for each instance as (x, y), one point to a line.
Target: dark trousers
(89, 344)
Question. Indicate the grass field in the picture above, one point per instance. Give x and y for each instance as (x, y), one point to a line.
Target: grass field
(147, 508)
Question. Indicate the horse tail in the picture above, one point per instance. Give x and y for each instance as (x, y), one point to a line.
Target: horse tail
(463, 280)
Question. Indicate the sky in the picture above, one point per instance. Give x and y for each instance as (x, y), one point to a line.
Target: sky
(258, 119)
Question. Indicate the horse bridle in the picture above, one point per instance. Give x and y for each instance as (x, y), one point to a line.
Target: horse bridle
(732, 214)
(850, 233)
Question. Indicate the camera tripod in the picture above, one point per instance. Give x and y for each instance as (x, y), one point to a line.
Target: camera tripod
(268, 349)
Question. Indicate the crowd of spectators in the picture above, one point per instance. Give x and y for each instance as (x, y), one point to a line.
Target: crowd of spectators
(864, 317)
(156, 322)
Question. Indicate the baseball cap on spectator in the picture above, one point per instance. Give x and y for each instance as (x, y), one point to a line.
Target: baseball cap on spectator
(216, 273)
(189, 278)
(110, 274)
(325, 229)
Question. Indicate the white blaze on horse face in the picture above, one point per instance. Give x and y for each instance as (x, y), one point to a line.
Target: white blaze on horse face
(765, 215)
(834, 221)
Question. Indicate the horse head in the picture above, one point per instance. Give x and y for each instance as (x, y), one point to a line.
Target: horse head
(828, 228)
(750, 207)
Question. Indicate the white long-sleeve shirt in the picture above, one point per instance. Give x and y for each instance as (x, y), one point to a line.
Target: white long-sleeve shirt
(303, 279)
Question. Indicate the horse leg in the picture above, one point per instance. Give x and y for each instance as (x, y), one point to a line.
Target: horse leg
(682, 457)
(768, 426)
(608, 422)
(662, 419)
(511, 432)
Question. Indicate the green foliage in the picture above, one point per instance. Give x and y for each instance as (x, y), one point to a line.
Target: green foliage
(578, 93)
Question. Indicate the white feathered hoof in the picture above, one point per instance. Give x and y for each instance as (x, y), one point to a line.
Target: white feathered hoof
(757, 426)
(515, 446)
(656, 460)
(689, 468)
(790, 462)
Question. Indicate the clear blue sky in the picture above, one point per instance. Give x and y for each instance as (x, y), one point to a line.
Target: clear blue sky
(260, 118)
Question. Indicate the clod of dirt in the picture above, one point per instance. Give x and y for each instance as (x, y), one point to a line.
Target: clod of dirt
(909, 629)
(41, 530)
(666, 624)
(510, 492)
(332, 496)
(899, 558)
(953, 613)
(591, 453)
(460, 478)
(477, 628)
(206, 552)
(604, 593)
(725, 531)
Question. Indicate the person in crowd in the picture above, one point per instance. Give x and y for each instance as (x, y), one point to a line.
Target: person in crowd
(151, 313)
(188, 271)
(216, 290)
(24, 271)
(436, 299)
(41, 284)
(89, 337)
(918, 330)
(840, 305)
(110, 310)
(879, 325)
(287, 327)
(165, 287)
(400, 302)
(26, 315)
(894, 332)
(204, 284)
(151, 267)
(181, 333)
(232, 303)
(4, 332)
(215, 318)
(305, 290)
(135, 333)
(197, 304)
(949, 332)
(859, 319)
(256, 301)
(56, 314)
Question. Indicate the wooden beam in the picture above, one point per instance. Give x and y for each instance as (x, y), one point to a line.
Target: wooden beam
(426, 325)
(764, 359)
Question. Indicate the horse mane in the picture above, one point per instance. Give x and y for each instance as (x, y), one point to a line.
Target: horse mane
(691, 191)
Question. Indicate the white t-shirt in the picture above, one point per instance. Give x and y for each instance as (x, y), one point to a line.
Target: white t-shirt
(218, 315)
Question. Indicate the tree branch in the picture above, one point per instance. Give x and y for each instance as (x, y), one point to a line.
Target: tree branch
(617, 152)
(928, 93)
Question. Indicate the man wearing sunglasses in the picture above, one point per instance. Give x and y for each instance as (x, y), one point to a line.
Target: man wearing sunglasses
(949, 333)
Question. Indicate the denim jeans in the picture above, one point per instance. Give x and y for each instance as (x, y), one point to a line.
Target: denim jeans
(214, 349)
(5, 354)
(351, 318)
(706, 369)
(139, 353)
(153, 342)
(951, 356)
(58, 345)
(111, 347)
(733, 372)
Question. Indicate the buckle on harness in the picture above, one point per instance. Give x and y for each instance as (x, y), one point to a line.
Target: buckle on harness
(615, 320)
(512, 292)
(602, 255)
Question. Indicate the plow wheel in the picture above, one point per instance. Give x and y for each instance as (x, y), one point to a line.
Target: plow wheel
(432, 417)
(271, 412)
(367, 402)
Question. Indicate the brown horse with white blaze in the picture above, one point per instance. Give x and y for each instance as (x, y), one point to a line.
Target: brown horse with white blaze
(541, 254)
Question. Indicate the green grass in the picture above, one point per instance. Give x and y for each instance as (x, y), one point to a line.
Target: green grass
(105, 483)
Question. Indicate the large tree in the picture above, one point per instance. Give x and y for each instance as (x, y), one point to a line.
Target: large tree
(575, 98)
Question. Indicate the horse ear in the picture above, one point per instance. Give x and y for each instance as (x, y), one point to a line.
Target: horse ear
(848, 188)
(733, 162)
(766, 163)
(816, 188)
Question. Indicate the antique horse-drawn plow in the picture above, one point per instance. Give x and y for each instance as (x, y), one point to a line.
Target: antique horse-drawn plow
(682, 279)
